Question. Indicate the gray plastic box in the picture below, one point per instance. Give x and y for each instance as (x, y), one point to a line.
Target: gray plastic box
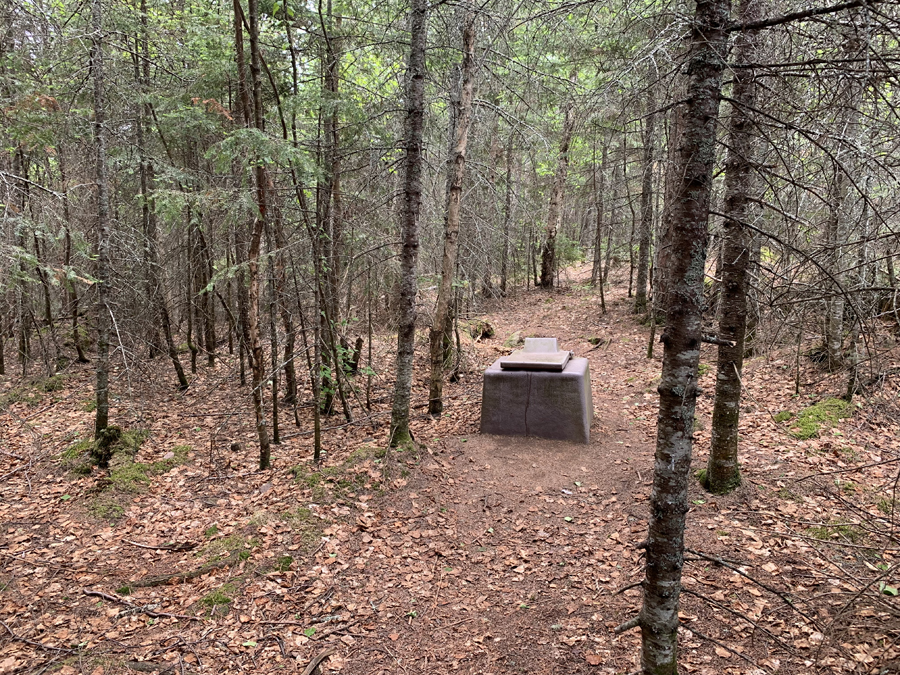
(546, 404)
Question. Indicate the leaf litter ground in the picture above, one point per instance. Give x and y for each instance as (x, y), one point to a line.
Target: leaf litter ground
(471, 554)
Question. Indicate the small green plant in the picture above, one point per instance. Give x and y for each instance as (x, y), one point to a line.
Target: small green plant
(783, 416)
(846, 531)
(222, 596)
(827, 413)
(785, 493)
(77, 450)
(89, 406)
(180, 454)
(124, 590)
(886, 505)
(847, 487)
(702, 369)
(51, 384)
(283, 563)
(106, 508)
(211, 532)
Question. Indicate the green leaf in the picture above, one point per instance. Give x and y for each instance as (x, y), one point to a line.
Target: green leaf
(309, 632)
(888, 590)
(568, 519)
(66, 498)
(249, 643)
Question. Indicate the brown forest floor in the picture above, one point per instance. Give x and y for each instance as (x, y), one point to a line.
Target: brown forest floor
(475, 554)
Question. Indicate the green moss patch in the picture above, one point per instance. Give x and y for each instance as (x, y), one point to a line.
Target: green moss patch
(783, 416)
(824, 414)
(221, 597)
(126, 477)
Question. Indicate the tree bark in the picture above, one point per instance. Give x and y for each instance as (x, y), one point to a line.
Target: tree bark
(412, 203)
(685, 261)
(101, 421)
(460, 122)
(554, 212)
(723, 473)
(598, 184)
(507, 212)
(253, 117)
(646, 222)
(841, 207)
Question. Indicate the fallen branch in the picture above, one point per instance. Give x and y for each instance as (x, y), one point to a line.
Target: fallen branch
(144, 610)
(629, 587)
(181, 577)
(317, 659)
(628, 625)
(716, 340)
(855, 468)
(33, 643)
(184, 546)
(714, 603)
(775, 591)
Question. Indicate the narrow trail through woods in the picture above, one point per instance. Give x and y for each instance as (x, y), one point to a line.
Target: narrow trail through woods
(473, 554)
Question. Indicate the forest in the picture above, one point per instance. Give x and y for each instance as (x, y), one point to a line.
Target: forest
(256, 255)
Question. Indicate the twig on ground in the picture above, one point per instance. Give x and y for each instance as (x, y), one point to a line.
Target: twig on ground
(144, 610)
(317, 659)
(775, 591)
(181, 577)
(184, 546)
(720, 644)
(33, 643)
(628, 625)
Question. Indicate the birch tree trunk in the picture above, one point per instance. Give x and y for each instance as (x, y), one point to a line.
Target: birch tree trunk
(409, 221)
(461, 118)
(723, 473)
(685, 261)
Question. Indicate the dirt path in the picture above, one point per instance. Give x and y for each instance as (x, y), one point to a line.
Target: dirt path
(475, 554)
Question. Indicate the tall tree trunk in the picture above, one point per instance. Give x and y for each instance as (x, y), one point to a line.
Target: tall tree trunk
(723, 472)
(148, 209)
(101, 421)
(554, 212)
(257, 363)
(333, 235)
(646, 222)
(207, 297)
(598, 185)
(412, 203)
(461, 116)
(287, 319)
(507, 211)
(71, 289)
(685, 259)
